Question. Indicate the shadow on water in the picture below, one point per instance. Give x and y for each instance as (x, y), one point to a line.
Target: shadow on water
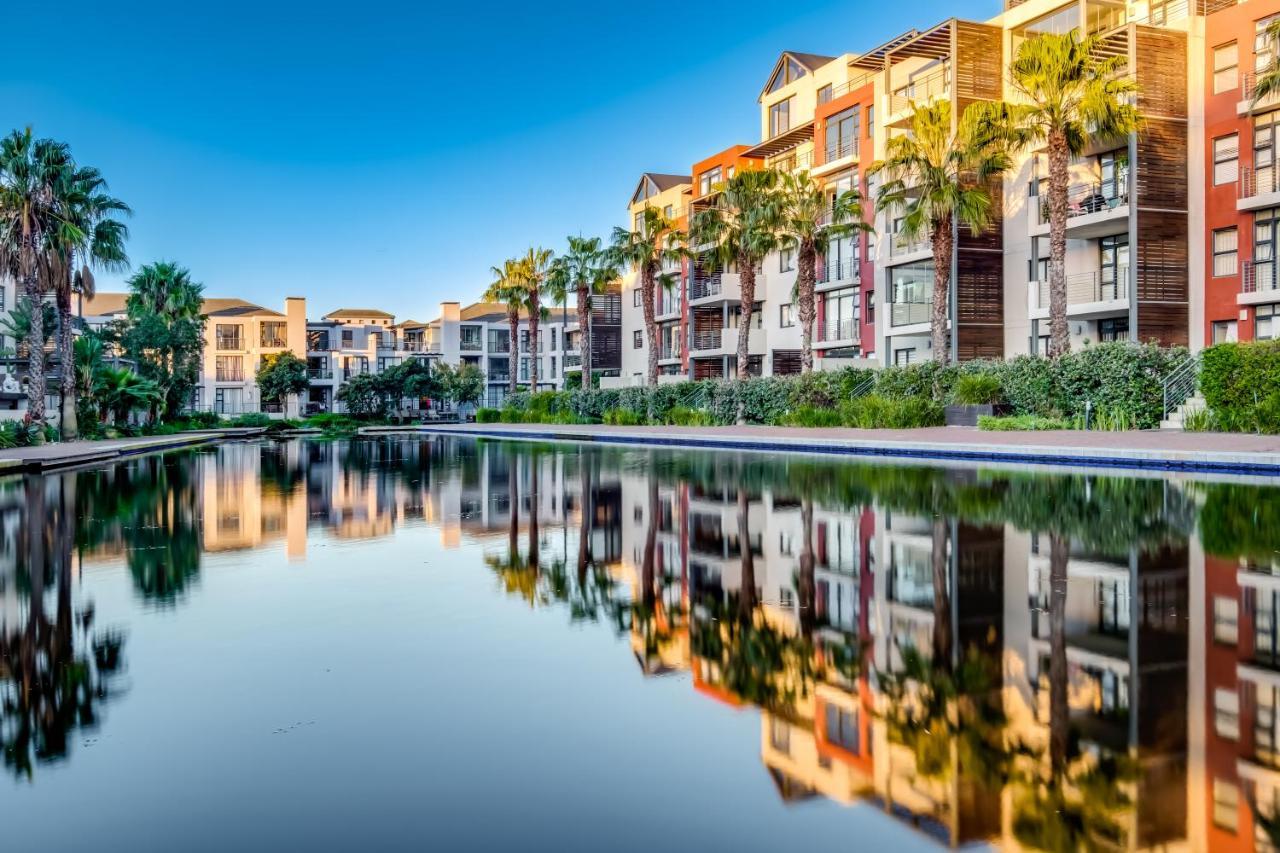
(985, 655)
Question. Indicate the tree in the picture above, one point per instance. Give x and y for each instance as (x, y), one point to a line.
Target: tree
(742, 224)
(1071, 94)
(534, 267)
(30, 217)
(120, 392)
(1268, 81)
(281, 374)
(164, 333)
(811, 217)
(646, 251)
(508, 290)
(464, 385)
(586, 270)
(936, 176)
(364, 395)
(90, 235)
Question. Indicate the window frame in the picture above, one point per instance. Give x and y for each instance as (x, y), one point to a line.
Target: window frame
(1224, 157)
(1233, 69)
(1233, 253)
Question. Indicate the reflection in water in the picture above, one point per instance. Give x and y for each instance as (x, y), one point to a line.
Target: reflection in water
(1043, 661)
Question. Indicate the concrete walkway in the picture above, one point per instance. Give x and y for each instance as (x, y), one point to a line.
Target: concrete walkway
(1163, 450)
(51, 457)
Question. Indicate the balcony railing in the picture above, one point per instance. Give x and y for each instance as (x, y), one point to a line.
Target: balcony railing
(792, 161)
(229, 375)
(505, 376)
(839, 330)
(500, 345)
(273, 341)
(1107, 285)
(848, 270)
(1258, 277)
(470, 345)
(348, 372)
(670, 351)
(320, 373)
(573, 361)
(1255, 182)
(920, 90)
(229, 342)
(415, 346)
(909, 313)
(899, 245)
(707, 340)
(844, 148)
(1084, 199)
(704, 286)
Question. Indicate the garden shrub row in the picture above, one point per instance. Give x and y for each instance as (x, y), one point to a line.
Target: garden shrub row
(1240, 383)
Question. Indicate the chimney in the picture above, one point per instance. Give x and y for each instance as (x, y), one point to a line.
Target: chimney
(295, 312)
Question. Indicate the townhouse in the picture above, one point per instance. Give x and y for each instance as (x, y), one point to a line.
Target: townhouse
(1137, 226)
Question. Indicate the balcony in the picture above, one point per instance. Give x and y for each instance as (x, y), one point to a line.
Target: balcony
(500, 346)
(573, 361)
(841, 274)
(1258, 188)
(670, 352)
(920, 91)
(1097, 293)
(705, 286)
(837, 155)
(470, 345)
(414, 345)
(1258, 283)
(1094, 210)
(274, 342)
(901, 248)
(707, 339)
(909, 313)
(846, 332)
(319, 374)
(1245, 106)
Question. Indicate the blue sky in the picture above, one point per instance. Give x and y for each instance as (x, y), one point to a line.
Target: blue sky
(388, 154)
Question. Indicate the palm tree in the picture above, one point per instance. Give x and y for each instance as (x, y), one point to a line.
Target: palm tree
(647, 250)
(810, 219)
(91, 236)
(1268, 81)
(587, 270)
(534, 267)
(120, 391)
(29, 219)
(506, 289)
(936, 177)
(165, 292)
(743, 224)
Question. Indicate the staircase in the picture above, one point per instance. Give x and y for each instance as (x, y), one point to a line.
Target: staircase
(1174, 419)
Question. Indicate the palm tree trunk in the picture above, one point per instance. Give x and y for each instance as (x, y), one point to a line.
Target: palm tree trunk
(584, 333)
(650, 320)
(746, 310)
(943, 247)
(513, 363)
(66, 360)
(806, 277)
(941, 564)
(35, 335)
(534, 350)
(1059, 553)
(1059, 340)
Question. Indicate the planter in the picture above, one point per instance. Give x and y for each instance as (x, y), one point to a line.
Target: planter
(968, 415)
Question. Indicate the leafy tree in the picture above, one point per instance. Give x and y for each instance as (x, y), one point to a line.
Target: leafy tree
(463, 385)
(810, 217)
(281, 374)
(1071, 94)
(647, 250)
(364, 395)
(121, 392)
(937, 176)
(743, 224)
(164, 332)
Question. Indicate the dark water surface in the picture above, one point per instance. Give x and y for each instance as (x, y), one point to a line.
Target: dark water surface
(440, 643)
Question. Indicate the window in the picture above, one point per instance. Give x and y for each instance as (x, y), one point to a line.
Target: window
(348, 338)
(637, 339)
(1226, 68)
(1114, 166)
(780, 117)
(786, 316)
(871, 121)
(707, 181)
(1225, 251)
(1225, 332)
(553, 367)
(1113, 329)
(842, 134)
(824, 94)
(554, 330)
(789, 72)
(780, 735)
(274, 334)
(1226, 805)
(1266, 322)
(903, 356)
(1226, 618)
(1264, 46)
(787, 259)
(637, 222)
(1226, 159)
(668, 212)
(842, 728)
(1226, 714)
(228, 337)
(318, 339)
(229, 368)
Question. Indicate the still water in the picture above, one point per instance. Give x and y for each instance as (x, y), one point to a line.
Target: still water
(440, 643)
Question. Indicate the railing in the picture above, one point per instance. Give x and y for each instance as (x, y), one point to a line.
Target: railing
(846, 148)
(1258, 277)
(1181, 384)
(899, 245)
(848, 270)
(1084, 199)
(841, 89)
(839, 330)
(864, 387)
(573, 361)
(909, 313)
(707, 340)
(1105, 285)
(791, 161)
(921, 89)
(229, 342)
(318, 373)
(272, 341)
(669, 352)
(1255, 182)
(470, 345)
(415, 346)
(502, 345)
(702, 287)
(499, 377)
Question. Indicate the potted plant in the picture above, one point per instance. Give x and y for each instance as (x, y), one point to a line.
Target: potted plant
(974, 395)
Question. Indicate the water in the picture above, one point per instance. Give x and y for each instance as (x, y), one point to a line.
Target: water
(339, 645)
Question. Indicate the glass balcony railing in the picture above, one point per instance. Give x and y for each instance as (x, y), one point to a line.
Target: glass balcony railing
(920, 90)
(838, 330)
(909, 313)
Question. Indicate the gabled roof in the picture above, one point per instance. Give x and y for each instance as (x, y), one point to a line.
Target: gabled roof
(112, 304)
(496, 312)
(810, 62)
(659, 182)
(351, 313)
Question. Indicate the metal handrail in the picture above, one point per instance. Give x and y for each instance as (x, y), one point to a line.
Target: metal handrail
(840, 330)
(1180, 384)
(920, 89)
(1255, 182)
(848, 270)
(1251, 282)
(1084, 199)
(863, 388)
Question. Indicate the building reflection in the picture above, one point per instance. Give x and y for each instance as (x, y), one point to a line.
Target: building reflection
(1053, 662)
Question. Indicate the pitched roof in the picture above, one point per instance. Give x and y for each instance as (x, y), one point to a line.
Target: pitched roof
(111, 304)
(810, 62)
(661, 183)
(343, 313)
(105, 304)
(496, 312)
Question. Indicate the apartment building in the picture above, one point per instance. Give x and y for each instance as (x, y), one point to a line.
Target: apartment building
(1134, 270)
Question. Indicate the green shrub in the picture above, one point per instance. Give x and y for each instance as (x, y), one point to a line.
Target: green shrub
(24, 434)
(1198, 420)
(977, 389)
(1241, 385)
(488, 416)
(204, 420)
(809, 416)
(684, 416)
(251, 419)
(1020, 423)
(876, 412)
(623, 417)
(332, 423)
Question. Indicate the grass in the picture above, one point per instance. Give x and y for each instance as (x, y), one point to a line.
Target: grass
(1021, 423)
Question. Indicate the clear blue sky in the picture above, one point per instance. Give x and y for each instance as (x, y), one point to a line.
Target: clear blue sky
(387, 154)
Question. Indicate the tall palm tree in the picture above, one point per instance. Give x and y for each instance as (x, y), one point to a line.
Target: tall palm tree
(586, 270)
(810, 219)
(506, 289)
(743, 225)
(647, 250)
(30, 216)
(534, 267)
(936, 176)
(165, 291)
(1070, 95)
(91, 235)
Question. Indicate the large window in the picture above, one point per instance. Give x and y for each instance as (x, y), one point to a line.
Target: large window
(1226, 68)
(1226, 805)
(786, 315)
(348, 338)
(1112, 329)
(1264, 46)
(318, 339)
(229, 368)
(1265, 224)
(1266, 322)
(824, 94)
(1265, 129)
(789, 72)
(1113, 272)
(842, 728)
(707, 181)
(228, 337)
(1226, 159)
(842, 134)
(1226, 618)
(1114, 166)
(787, 258)
(274, 334)
(1225, 251)
(840, 315)
(780, 117)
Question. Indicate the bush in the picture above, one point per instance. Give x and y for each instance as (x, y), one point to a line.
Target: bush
(877, 412)
(1241, 385)
(204, 420)
(1020, 423)
(809, 416)
(684, 416)
(488, 416)
(623, 417)
(24, 434)
(251, 419)
(977, 389)
(332, 423)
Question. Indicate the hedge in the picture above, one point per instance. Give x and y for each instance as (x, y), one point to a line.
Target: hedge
(1123, 381)
(1240, 383)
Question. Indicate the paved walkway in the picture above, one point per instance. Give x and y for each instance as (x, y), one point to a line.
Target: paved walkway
(1169, 450)
(56, 455)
